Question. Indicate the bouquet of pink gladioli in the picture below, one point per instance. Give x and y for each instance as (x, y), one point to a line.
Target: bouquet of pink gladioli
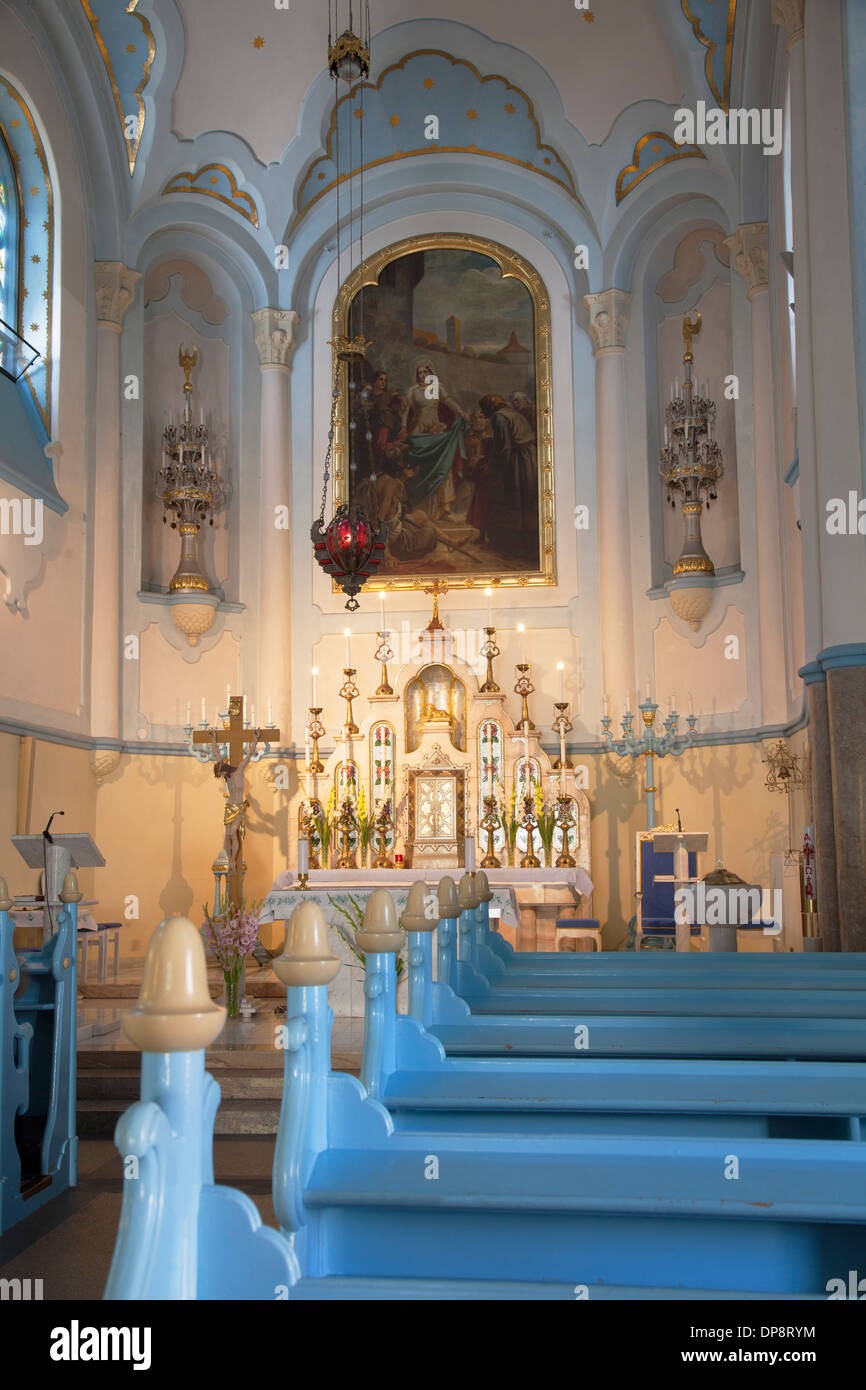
(232, 935)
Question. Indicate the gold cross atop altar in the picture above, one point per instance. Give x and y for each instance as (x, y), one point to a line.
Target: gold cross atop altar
(437, 589)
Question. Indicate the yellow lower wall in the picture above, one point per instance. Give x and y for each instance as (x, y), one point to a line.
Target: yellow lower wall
(158, 822)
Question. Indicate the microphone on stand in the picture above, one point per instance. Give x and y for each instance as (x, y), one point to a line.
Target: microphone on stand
(46, 834)
(679, 822)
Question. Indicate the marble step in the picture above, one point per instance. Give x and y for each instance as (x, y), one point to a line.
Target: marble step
(97, 1118)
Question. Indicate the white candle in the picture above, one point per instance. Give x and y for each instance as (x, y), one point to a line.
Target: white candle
(560, 666)
(347, 634)
(189, 714)
(315, 674)
(527, 770)
(562, 767)
(253, 717)
(606, 703)
(691, 704)
(648, 689)
(307, 751)
(201, 415)
(303, 855)
(628, 702)
(270, 715)
(489, 595)
(469, 853)
(382, 627)
(521, 628)
(673, 702)
(203, 711)
(228, 696)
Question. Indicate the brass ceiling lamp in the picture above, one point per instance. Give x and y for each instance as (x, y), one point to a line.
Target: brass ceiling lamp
(351, 547)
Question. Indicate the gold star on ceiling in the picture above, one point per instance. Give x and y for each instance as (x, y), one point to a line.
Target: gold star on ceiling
(36, 259)
(16, 123)
(34, 190)
(394, 120)
(130, 48)
(358, 114)
(213, 179)
(34, 328)
(589, 17)
(473, 115)
(258, 41)
(428, 82)
(510, 107)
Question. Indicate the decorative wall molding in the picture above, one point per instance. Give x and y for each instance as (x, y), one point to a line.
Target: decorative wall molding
(713, 26)
(488, 116)
(652, 151)
(196, 290)
(789, 14)
(750, 253)
(114, 284)
(608, 318)
(127, 51)
(275, 335)
(690, 263)
(219, 182)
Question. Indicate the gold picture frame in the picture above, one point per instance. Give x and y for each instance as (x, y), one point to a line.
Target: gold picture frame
(510, 265)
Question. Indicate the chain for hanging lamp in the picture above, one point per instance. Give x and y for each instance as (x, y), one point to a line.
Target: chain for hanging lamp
(351, 547)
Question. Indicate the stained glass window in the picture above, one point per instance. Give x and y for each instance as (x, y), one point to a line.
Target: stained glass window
(8, 237)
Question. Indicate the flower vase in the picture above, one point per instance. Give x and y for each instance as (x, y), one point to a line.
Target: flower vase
(233, 993)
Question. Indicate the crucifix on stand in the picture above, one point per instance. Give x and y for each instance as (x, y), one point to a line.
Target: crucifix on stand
(233, 769)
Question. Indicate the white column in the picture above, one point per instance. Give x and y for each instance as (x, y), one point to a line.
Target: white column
(274, 330)
(608, 323)
(827, 409)
(115, 289)
(749, 247)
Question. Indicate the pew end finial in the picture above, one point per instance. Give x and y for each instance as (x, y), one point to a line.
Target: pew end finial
(380, 932)
(416, 917)
(175, 1012)
(307, 958)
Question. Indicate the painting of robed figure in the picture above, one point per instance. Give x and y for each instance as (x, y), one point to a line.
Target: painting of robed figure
(445, 433)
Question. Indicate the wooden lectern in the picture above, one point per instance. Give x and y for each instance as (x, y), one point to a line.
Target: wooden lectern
(56, 858)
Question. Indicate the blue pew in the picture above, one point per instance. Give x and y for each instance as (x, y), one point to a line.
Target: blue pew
(406, 1067)
(367, 1211)
(182, 1236)
(38, 1143)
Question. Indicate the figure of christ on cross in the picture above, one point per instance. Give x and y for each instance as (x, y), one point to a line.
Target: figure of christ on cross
(233, 770)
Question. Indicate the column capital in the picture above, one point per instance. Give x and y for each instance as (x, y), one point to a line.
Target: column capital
(750, 252)
(115, 290)
(275, 336)
(789, 14)
(608, 318)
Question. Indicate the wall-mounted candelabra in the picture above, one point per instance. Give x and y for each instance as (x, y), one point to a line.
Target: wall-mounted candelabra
(383, 655)
(691, 465)
(189, 488)
(649, 744)
(204, 754)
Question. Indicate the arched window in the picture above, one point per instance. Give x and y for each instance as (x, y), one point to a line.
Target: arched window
(9, 218)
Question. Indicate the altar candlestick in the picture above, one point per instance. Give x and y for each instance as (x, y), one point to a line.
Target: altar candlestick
(203, 711)
(315, 674)
(560, 666)
(347, 633)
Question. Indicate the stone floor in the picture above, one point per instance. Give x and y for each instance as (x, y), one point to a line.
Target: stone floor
(50, 1245)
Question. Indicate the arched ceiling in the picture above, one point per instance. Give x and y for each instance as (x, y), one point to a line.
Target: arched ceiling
(247, 68)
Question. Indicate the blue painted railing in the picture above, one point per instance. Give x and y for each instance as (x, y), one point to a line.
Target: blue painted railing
(38, 1143)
